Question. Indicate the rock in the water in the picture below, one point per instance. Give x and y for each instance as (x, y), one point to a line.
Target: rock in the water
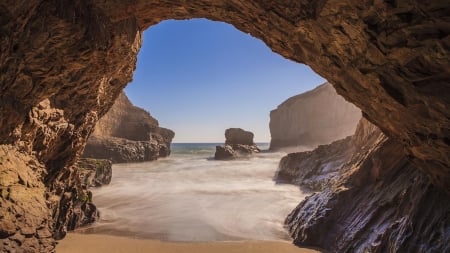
(128, 134)
(224, 152)
(316, 117)
(238, 143)
(235, 136)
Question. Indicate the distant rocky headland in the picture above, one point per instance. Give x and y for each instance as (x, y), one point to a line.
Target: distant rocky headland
(238, 143)
(313, 118)
(128, 134)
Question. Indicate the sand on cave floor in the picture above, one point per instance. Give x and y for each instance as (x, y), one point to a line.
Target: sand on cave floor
(82, 243)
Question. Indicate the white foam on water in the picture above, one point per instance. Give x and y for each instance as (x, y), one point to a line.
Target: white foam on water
(190, 197)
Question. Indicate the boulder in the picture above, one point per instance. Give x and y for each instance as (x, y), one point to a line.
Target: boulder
(235, 136)
(224, 152)
(238, 143)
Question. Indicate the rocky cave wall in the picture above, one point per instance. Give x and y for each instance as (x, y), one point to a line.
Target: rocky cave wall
(378, 202)
(64, 62)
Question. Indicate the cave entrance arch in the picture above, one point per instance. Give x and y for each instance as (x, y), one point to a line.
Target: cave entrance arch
(389, 58)
(353, 47)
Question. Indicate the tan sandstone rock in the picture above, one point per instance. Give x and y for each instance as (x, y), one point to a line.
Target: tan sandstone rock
(316, 117)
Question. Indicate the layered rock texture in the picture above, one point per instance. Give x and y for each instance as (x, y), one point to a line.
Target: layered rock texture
(316, 117)
(71, 199)
(379, 202)
(128, 134)
(64, 63)
(238, 143)
(317, 169)
(94, 172)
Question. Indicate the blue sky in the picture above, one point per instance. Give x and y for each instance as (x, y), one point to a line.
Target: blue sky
(199, 77)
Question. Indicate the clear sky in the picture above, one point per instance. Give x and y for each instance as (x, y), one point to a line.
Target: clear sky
(199, 77)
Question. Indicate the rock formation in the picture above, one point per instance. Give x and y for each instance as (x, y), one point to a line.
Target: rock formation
(319, 116)
(63, 64)
(128, 134)
(94, 172)
(317, 169)
(238, 143)
(71, 199)
(378, 203)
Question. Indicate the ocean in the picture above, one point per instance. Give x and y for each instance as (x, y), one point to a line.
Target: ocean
(189, 196)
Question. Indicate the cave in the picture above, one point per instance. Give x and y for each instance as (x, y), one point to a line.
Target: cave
(63, 63)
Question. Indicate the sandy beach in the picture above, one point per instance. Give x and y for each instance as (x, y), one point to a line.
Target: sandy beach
(76, 243)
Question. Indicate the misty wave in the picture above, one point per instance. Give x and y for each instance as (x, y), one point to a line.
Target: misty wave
(188, 197)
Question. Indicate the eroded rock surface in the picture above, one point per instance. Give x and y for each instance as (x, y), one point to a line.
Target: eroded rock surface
(316, 117)
(317, 169)
(63, 64)
(378, 203)
(25, 219)
(128, 134)
(70, 197)
(94, 172)
(238, 143)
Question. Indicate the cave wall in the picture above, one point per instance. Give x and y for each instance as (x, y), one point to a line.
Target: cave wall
(390, 58)
(63, 63)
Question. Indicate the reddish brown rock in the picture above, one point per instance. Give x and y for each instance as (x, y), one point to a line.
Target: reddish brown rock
(63, 64)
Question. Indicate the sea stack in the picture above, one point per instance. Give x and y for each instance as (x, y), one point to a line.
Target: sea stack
(238, 143)
(319, 116)
(128, 134)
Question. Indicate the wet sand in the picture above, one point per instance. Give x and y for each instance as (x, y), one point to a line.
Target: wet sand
(75, 243)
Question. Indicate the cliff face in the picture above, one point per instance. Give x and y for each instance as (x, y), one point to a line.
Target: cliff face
(63, 64)
(128, 134)
(316, 117)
